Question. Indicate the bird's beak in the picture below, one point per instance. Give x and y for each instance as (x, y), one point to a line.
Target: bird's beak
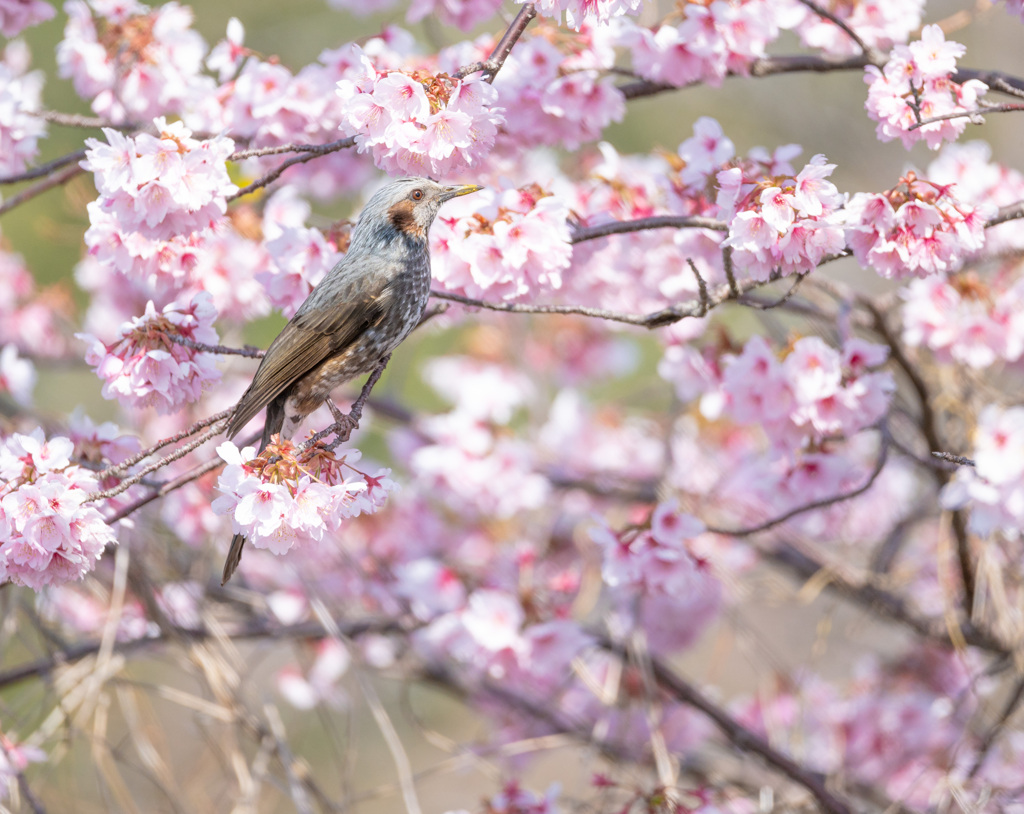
(454, 192)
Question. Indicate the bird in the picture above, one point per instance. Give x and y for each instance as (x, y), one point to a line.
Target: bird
(360, 312)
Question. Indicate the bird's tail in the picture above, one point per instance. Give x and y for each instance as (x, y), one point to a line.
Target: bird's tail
(274, 423)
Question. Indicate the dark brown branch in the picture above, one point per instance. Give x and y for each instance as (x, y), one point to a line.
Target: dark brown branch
(44, 169)
(990, 737)
(738, 735)
(54, 180)
(582, 234)
(655, 319)
(493, 63)
(929, 429)
(311, 152)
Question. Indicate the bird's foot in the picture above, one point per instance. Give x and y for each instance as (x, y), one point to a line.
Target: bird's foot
(343, 421)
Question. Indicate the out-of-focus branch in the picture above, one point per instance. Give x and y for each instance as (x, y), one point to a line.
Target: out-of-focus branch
(55, 179)
(929, 429)
(883, 455)
(259, 629)
(44, 169)
(738, 735)
(825, 14)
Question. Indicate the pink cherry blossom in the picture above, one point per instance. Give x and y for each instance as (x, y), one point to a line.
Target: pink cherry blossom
(227, 55)
(20, 102)
(161, 186)
(143, 366)
(918, 228)
(578, 12)
(287, 497)
(879, 23)
(17, 15)
(416, 121)
(993, 489)
(915, 85)
(146, 63)
(319, 685)
(50, 534)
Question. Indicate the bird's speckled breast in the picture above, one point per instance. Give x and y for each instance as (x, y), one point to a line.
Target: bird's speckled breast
(410, 292)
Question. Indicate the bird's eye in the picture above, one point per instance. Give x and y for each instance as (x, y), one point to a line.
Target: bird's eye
(417, 195)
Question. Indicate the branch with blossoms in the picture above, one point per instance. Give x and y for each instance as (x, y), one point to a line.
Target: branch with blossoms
(582, 503)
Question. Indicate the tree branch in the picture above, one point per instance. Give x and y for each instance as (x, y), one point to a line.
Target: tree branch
(493, 63)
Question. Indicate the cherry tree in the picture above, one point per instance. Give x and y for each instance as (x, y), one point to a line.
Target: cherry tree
(656, 400)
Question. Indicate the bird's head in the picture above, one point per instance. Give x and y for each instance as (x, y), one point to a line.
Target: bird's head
(407, 206)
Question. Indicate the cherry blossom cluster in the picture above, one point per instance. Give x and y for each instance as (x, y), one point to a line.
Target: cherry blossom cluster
(297, 257)
(287, 496)
(464, 456)
(145, 367)
(966, 318)
(815, 393)
(993, 488)
(916, 229)
(710, 41)
(131, 62)
(983, 183)
(319, 684)
(419, 122)
(578, 12)
(490, 637)
(164, 185)
(896, 725)
(49, 534)
(915, 85)
(33, 320)
(17, 15)
(781, 224)
(559, 89)
(653, 573)
(506, 244)
(20, 102)
(879, 23)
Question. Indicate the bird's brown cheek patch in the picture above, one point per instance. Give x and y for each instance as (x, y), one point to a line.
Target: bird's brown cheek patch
(404, 219)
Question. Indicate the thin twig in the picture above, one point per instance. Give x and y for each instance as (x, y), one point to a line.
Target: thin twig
(959, 460)
(655, 319)
(180, 452)
(248, 351)
(825, 14)
(192, 429)
(343, 427)
(973, 115)
(702, 287)
(582, 234)
(312, 152)
(814, 504)
(990, 737)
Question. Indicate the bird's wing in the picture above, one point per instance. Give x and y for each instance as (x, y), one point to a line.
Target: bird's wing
(314, 334)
